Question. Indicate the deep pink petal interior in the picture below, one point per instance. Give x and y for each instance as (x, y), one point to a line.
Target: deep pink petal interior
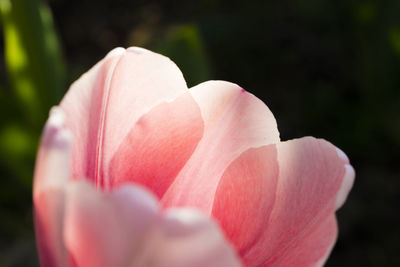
(158, 145)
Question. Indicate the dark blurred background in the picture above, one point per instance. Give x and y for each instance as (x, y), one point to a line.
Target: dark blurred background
(329, 69)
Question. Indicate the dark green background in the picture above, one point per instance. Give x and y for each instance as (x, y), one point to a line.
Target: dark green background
(325, 68)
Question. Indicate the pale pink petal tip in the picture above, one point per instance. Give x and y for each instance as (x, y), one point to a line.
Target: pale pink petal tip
(182, 220)
(137, 50)
(347, 184)
(56, 118)
(52, 168)
(55, 134)
(142, 197)
(348, 179)
(342, 155)
(116, 52)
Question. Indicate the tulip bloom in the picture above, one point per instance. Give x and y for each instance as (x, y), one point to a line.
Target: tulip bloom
(130, 152)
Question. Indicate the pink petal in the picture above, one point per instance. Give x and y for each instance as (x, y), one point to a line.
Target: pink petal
(51, 175)
(234, 121)
(125, 228)
(109, 229)
(158, 145)
(103, 104)
(246, 195)
(190, 239)
(82, 105)
(310, 179)
(314, 249)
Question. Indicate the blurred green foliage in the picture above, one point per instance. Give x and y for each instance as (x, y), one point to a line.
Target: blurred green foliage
(36, 81)
(33, 57)
(325, 68)
(36, 74)
(183, 43)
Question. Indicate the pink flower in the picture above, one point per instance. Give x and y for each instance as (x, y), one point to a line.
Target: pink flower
(130, 125)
